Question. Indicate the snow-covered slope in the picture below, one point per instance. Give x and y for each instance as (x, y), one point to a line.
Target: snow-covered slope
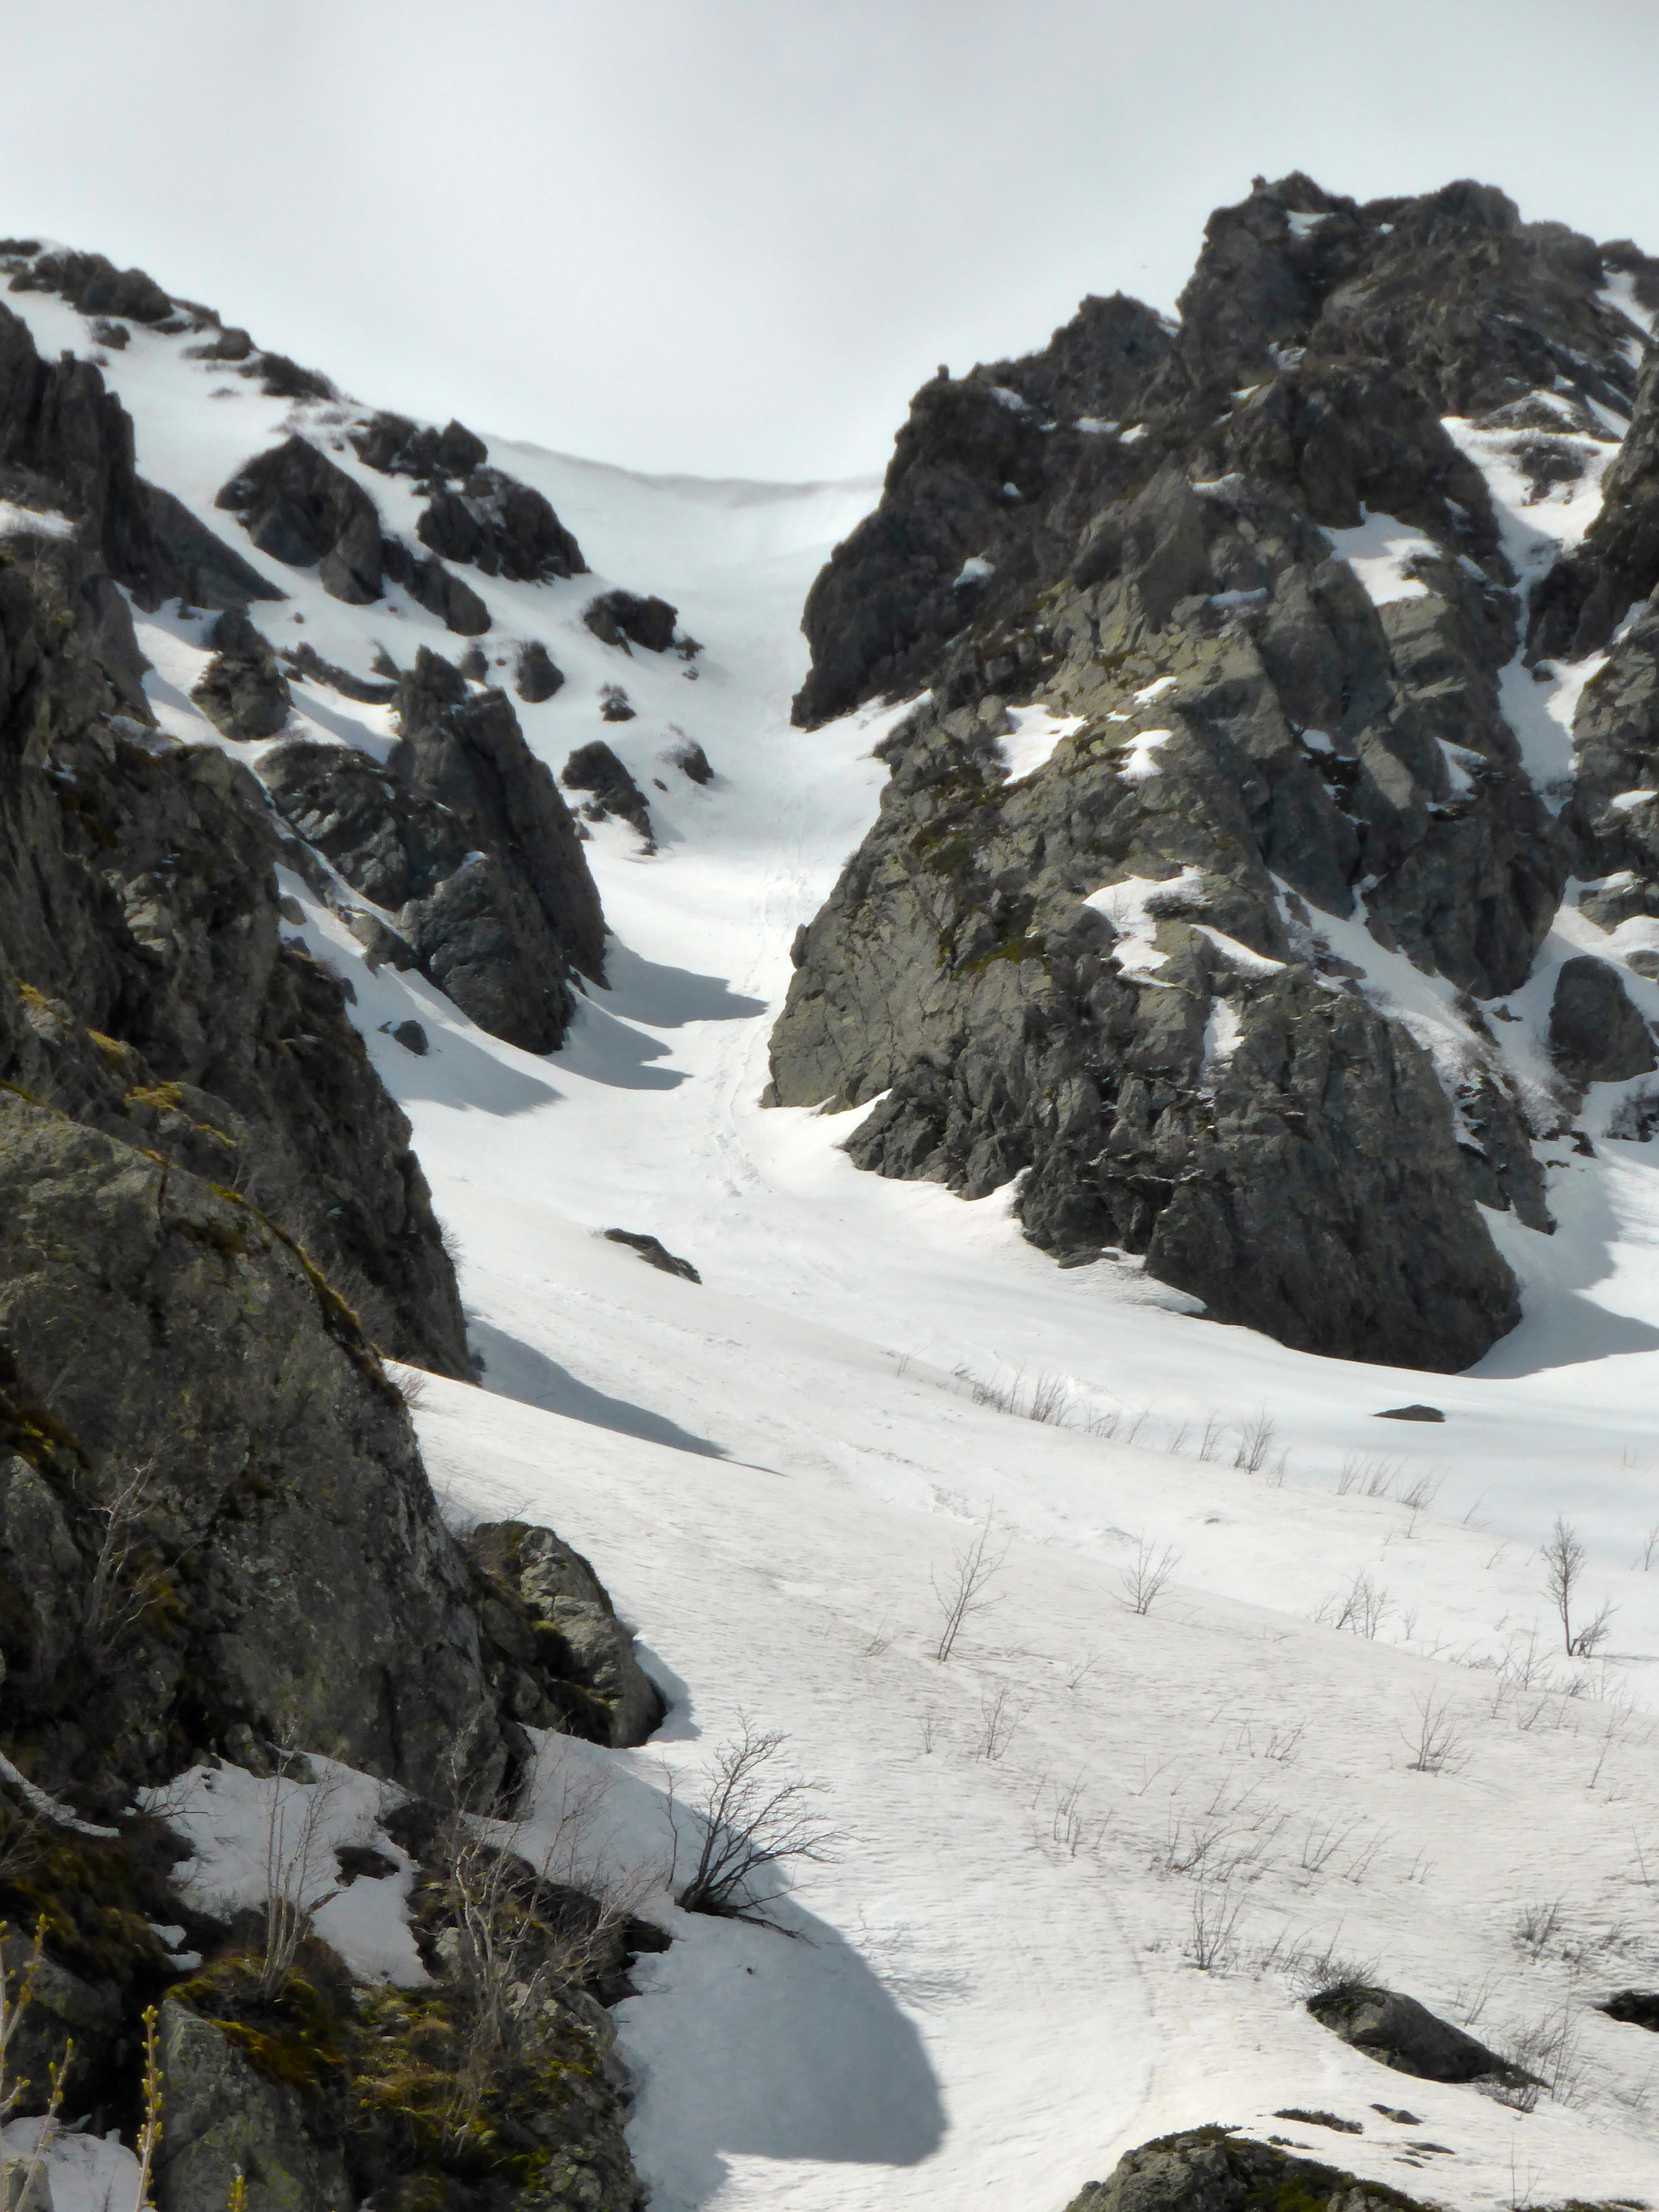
(1089, 1865)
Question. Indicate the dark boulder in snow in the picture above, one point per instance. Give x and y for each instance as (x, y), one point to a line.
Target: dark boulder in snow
(689, 757)
(398, 447)
(536, 675)
(1216, 2169)
(1635, 2008)
(300, 508)
(1595, 1034)
(596, 770)
(412, 1037)
(616, 616)
(501, 526)
(436, 588)
(97, 287)
(654, 1252)
(242, 691)
(571, 1614)
(1398, 2031)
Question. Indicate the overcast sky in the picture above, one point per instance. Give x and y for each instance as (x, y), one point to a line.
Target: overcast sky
(732, 236)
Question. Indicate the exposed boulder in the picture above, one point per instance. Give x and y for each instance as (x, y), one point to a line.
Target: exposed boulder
(299, 507)
(689, 757)
(398, 447)
(1398, 2031)
(97, 287)
(615, 618)
(536, 675)
(567, 1606)
(1595, 1034)
(367, 690)
(242, 691)
(654, 1252)
(1216, 2169)
(596, 770)
(436, 588)
(502, 526)
(1637, 2007)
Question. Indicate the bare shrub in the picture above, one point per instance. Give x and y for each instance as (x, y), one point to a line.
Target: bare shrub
(1073, 1828)
(1050, 1400)
(1147, 1574)
(118, 1596)
(756, 1817)
(1650, 1544)
(1535, 1925)
(1256, 1439)
(1564, 1559)
(1211, 1943)
(1436, 1742)
(999, 1718)
(1368, 1475)
(1360, 1609)
(296, 1836)
(1214, 1429)
(966, 1590)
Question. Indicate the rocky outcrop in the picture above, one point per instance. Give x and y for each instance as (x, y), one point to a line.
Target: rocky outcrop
(475, 514)
(242, 691)
(1398, 2031)
(569, 1613)
(226, 2118)
(145, 984)
(1216, 2169)
(613, 794)
(436, 588)
(536, 675)
(300, 508)
(1175, 740)
(178, 1372)
(462, 839)
(616, 618)
(1595, 1034)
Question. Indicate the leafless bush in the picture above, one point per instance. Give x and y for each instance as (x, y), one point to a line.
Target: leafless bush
(1564, 1560)
(1436, 1742)
(1535, 1925)
(1367, 1474)
(1546, 2056)
(1214, 1429)
(1211, 1944)
(295, 1840)
(1650, 1544)
(755, 1818)
(1360, 1609)
(1080, 1673)
(999, 1716)
(1050, 1400)
(966, 1590)
(1147, 1574)
(1071, 1828)
(117, 1597)
(1256, 1439)
(1323, 1840)
(1417, 1497)
(1179, 1433)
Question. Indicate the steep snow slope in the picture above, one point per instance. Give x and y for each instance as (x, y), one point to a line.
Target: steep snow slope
(998, 1990)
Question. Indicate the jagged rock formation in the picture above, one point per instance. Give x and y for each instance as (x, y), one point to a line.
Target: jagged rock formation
(1215, 2170)
(594, 768)
(243, 691)
(615, 618)
(1173, 737)
(464, 842)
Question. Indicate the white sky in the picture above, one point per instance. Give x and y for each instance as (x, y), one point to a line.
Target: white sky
(732, 236)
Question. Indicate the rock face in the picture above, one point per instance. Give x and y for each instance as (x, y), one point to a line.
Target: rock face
(463, 840)
(1213, 2170)
(1187, 781)
(536, 676)
(225, 2118)
(243, 692)
(474, 514)
(144, 982)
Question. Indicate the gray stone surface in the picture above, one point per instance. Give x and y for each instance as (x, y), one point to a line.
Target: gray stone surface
(1595, 1034)
(1217, 2170)
(1398, 2031)
(301, 509)
(222, 2116)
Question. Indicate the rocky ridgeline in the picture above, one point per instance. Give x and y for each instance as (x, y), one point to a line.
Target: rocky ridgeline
(217, 1540)
(1112, 973)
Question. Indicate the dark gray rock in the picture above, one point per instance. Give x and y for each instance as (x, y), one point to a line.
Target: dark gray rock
(501, 526)
(1216, 2169)
(142, 913)
(654, 1252)
(1410, 1413)
(97, 287)
(689, 757)
(242, 691)
(368, 691)
(1398, 2031)
(1595, 1034)
(536, 675)
(225, 2118)
(596, 770)
(412, 1037)
(397, 447)
(297, 507)
(436, 588)
(615, 618)
(1637, 2007)
(283, 379)
(614, 704)
(565, 1602)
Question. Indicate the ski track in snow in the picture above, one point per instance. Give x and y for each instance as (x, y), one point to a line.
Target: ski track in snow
(997, 1995)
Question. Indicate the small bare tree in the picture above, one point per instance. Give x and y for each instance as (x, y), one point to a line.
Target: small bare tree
(1564, 1559)
(295, 1836)
(966, 1590)
(754, 1817)
(1436, 1743)
(1145, 1577)
(113, 1603)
